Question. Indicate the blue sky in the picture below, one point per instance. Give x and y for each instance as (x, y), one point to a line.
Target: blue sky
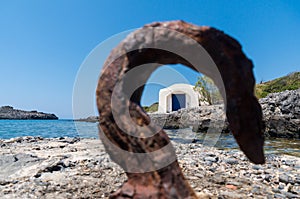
(44, 43)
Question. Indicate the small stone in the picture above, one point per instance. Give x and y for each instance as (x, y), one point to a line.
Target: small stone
(268, 177)
(297, 179)
(290, 195)
(257, 167)
(285, 178)
(211, 159)
(234, 183)
(256, 190)
(211, 154)
(203, 195)
(278, 195)
(199, 175)
(281, 185)
(226, 194)
(230, 186)
(218, 179)
(296, 189)
(192, 177)
(276, 190)
(212, 169)
(231, 161)
(269, 196)
(289, 163)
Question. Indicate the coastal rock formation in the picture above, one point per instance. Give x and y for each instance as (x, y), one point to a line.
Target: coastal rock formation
(199, 118)
(93, 119)
(141, 148)
(8, 112)
(281, 116)
(72, 168)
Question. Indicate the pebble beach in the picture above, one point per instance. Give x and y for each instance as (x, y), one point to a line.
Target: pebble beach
(36, 167)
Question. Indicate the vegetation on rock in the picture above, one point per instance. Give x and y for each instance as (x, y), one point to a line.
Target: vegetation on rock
(152, 108)
(288, 82)
(208, 91)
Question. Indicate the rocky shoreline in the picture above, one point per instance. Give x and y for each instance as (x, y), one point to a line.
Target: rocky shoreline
(35, 167)
(9, 113)
(281, 116)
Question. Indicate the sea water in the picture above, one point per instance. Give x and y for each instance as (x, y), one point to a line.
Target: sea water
(69, 128)
(47, 128)
(227, 141)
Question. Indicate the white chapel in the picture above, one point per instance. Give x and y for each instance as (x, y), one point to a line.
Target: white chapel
(177, 96)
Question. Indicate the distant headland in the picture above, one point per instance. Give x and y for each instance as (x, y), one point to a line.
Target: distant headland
(9, 113)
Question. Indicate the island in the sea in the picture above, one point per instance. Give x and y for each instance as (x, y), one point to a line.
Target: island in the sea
(9, 113)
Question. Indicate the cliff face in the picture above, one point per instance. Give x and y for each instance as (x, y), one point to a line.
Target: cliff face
(8, 112)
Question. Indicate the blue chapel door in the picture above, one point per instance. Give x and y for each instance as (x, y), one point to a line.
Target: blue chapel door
(178, 101)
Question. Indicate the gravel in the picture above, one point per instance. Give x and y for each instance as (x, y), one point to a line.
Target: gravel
(35, 167)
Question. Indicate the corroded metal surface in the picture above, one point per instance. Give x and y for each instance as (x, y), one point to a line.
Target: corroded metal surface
(118, 105)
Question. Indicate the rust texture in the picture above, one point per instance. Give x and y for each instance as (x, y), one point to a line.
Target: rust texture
(141, 47)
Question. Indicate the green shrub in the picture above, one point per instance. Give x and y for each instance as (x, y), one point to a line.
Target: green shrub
(152, 108)
(289, 82)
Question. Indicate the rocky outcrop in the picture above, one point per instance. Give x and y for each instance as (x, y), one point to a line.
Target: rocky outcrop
(281, 116)
(93, 119)
(199, 118)
(9, 113)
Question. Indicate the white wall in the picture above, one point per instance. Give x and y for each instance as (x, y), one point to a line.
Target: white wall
(165, 97)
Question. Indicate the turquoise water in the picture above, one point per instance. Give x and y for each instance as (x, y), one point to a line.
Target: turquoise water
(47, 128)
(70, 128)
(227, 141)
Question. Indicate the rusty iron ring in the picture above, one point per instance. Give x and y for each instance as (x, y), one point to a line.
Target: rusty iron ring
(242, 108)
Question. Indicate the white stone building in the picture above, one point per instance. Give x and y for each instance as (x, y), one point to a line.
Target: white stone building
(176, 97)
